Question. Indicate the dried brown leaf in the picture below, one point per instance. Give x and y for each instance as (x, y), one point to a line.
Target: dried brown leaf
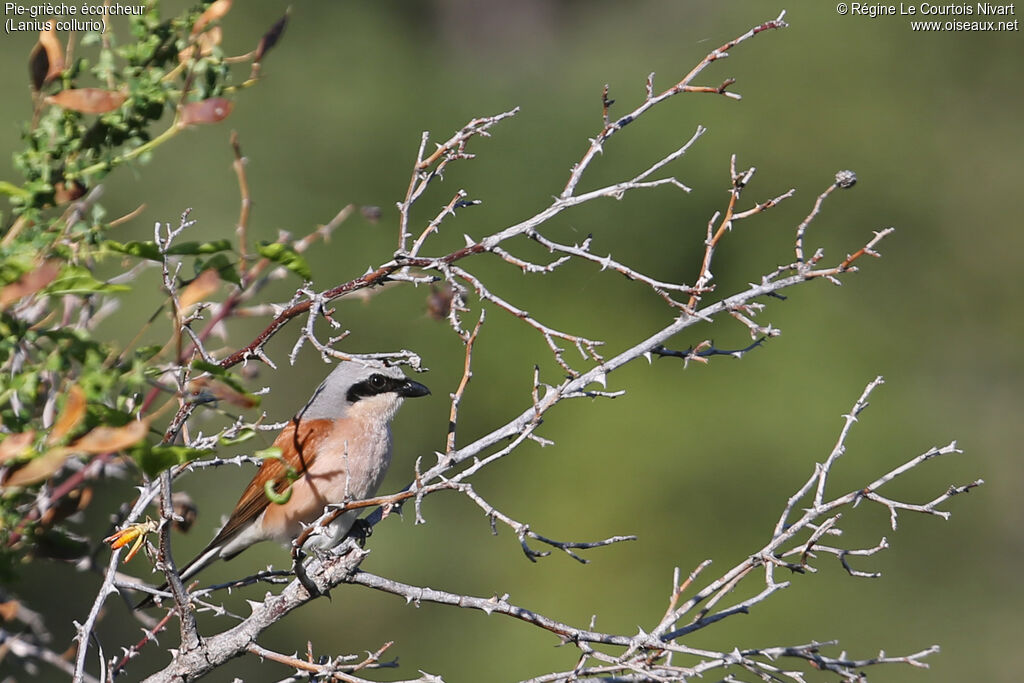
(270, 38)
(70, 416)
(37, 469)
(29, 283)
(199, 289)
(111, 439)
(9, 610)
(212, 110)
(46, 61)
(88, 100)
(64, 192)
(215, 11)
(38, 67)
(16, 445)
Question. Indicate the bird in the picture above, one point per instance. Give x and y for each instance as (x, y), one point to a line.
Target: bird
(336, 448)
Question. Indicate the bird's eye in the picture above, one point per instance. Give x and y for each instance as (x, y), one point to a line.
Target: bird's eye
(378, 382)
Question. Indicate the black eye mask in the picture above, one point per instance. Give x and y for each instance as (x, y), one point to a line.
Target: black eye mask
(383, 384)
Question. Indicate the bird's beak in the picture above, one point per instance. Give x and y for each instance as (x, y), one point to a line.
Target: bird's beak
(412, 389)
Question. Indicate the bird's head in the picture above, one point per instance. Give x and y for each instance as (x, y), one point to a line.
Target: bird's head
(354, 387)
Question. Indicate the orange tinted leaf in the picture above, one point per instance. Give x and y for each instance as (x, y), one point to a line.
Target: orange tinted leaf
(64, 192)
(88, 100)
(203, 286)
(29, 283)
(111, 439)
(46, 60)
(38, 469)
(271, 37)
(74, 411)
(48, 39)
(214, 12)
(207, 111)
(16, 445)
(9, 610)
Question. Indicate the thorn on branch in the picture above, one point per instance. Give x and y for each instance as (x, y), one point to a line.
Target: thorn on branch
(954, 490)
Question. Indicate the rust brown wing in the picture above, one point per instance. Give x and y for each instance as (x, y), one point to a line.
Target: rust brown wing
(295, 441)
(292, 441)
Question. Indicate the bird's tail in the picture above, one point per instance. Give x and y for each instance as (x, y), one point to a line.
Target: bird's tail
(198, 564)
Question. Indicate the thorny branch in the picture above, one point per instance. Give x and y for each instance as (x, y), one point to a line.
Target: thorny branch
(796, 540)
(646, 654)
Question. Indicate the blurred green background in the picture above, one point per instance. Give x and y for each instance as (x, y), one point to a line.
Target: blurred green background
(697, 463)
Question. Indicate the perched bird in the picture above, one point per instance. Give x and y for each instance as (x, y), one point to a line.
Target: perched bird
(337, 448)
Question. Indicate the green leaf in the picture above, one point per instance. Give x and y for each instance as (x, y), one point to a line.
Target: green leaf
(270, 453)
(98, 414)
(149, 250)
(78, 280)
(286, 255)
(14, 191)
(148, 352)
(195, 248)
(146, 250)
(16, 261)
(212, 368)
(223, 265)
(155, 459)
(242, 437)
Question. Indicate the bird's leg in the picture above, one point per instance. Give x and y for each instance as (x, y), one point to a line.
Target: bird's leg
(298, 556)
(360, 531)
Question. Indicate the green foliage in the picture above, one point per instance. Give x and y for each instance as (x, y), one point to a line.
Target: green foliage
(78, 280)
(285, 255)
(242, 437)
(150, 250)
(225, 267)
(65, 391)
(155, 459)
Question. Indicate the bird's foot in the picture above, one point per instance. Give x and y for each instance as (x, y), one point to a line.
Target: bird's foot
(360, 531)
(306, 580)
